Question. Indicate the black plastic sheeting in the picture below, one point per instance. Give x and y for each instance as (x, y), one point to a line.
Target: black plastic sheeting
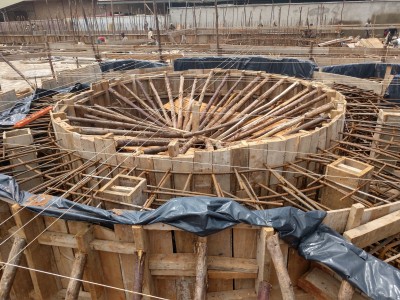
(17, 112)
(22, 107)
(370, 70)
(206, 215)
(285, 66)
(128, 64)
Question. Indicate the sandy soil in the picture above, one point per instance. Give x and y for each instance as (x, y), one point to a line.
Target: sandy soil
(34, 70)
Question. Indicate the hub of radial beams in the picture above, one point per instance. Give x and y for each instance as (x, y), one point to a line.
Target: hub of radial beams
(214, 111)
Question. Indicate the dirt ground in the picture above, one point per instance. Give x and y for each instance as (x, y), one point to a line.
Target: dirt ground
(34, 70)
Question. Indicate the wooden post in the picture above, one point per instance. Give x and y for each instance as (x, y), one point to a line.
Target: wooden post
(216, 26)
(280, 267)
(346, 291)
(263, 257)
(77, 272)
(49, 58)
(158, 30)
(93, 271)
(355, 216)
(201, 269)
(173, 148)
(264, 290)
(139, 271)
(11, 268)
(142, 281)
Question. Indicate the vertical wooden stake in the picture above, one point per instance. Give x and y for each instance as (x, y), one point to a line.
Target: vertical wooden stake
(139, 271)
(201, 269)
(346, 291)
(93, 270)
(264, 290)
(142, 282)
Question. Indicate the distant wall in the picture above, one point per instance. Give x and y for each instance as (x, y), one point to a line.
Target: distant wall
(322, 13)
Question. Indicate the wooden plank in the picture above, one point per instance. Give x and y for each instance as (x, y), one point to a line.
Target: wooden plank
(146, 163)
(297, 265)
(62, 255)
(275, 157)
(221, 164)
(244, 246)
(187, 262)
(58, 239)
(184, 243)
(240, 161)
(220, 244)
(245, 294)
(337, 219)
(146, 284)
(373, 213)
(257, 159)
(202, 162)
(182, 163)
(374, 231)
(356, 213)
(160, 242)
(105, 148)
(291, 148)
(124, 233)
(322, 286)
(164, 164)
(110, 263)
(38, 257)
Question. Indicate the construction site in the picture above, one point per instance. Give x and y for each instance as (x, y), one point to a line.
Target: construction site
(199, 150)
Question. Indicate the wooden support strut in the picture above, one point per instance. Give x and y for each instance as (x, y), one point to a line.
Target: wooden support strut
(74, 285)
(283, 275)
(11, 268)
(93, 269)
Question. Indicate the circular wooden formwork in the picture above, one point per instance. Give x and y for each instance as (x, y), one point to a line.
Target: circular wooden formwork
(202, 122)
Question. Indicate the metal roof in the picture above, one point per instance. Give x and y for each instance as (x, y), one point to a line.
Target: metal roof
(5, 3)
